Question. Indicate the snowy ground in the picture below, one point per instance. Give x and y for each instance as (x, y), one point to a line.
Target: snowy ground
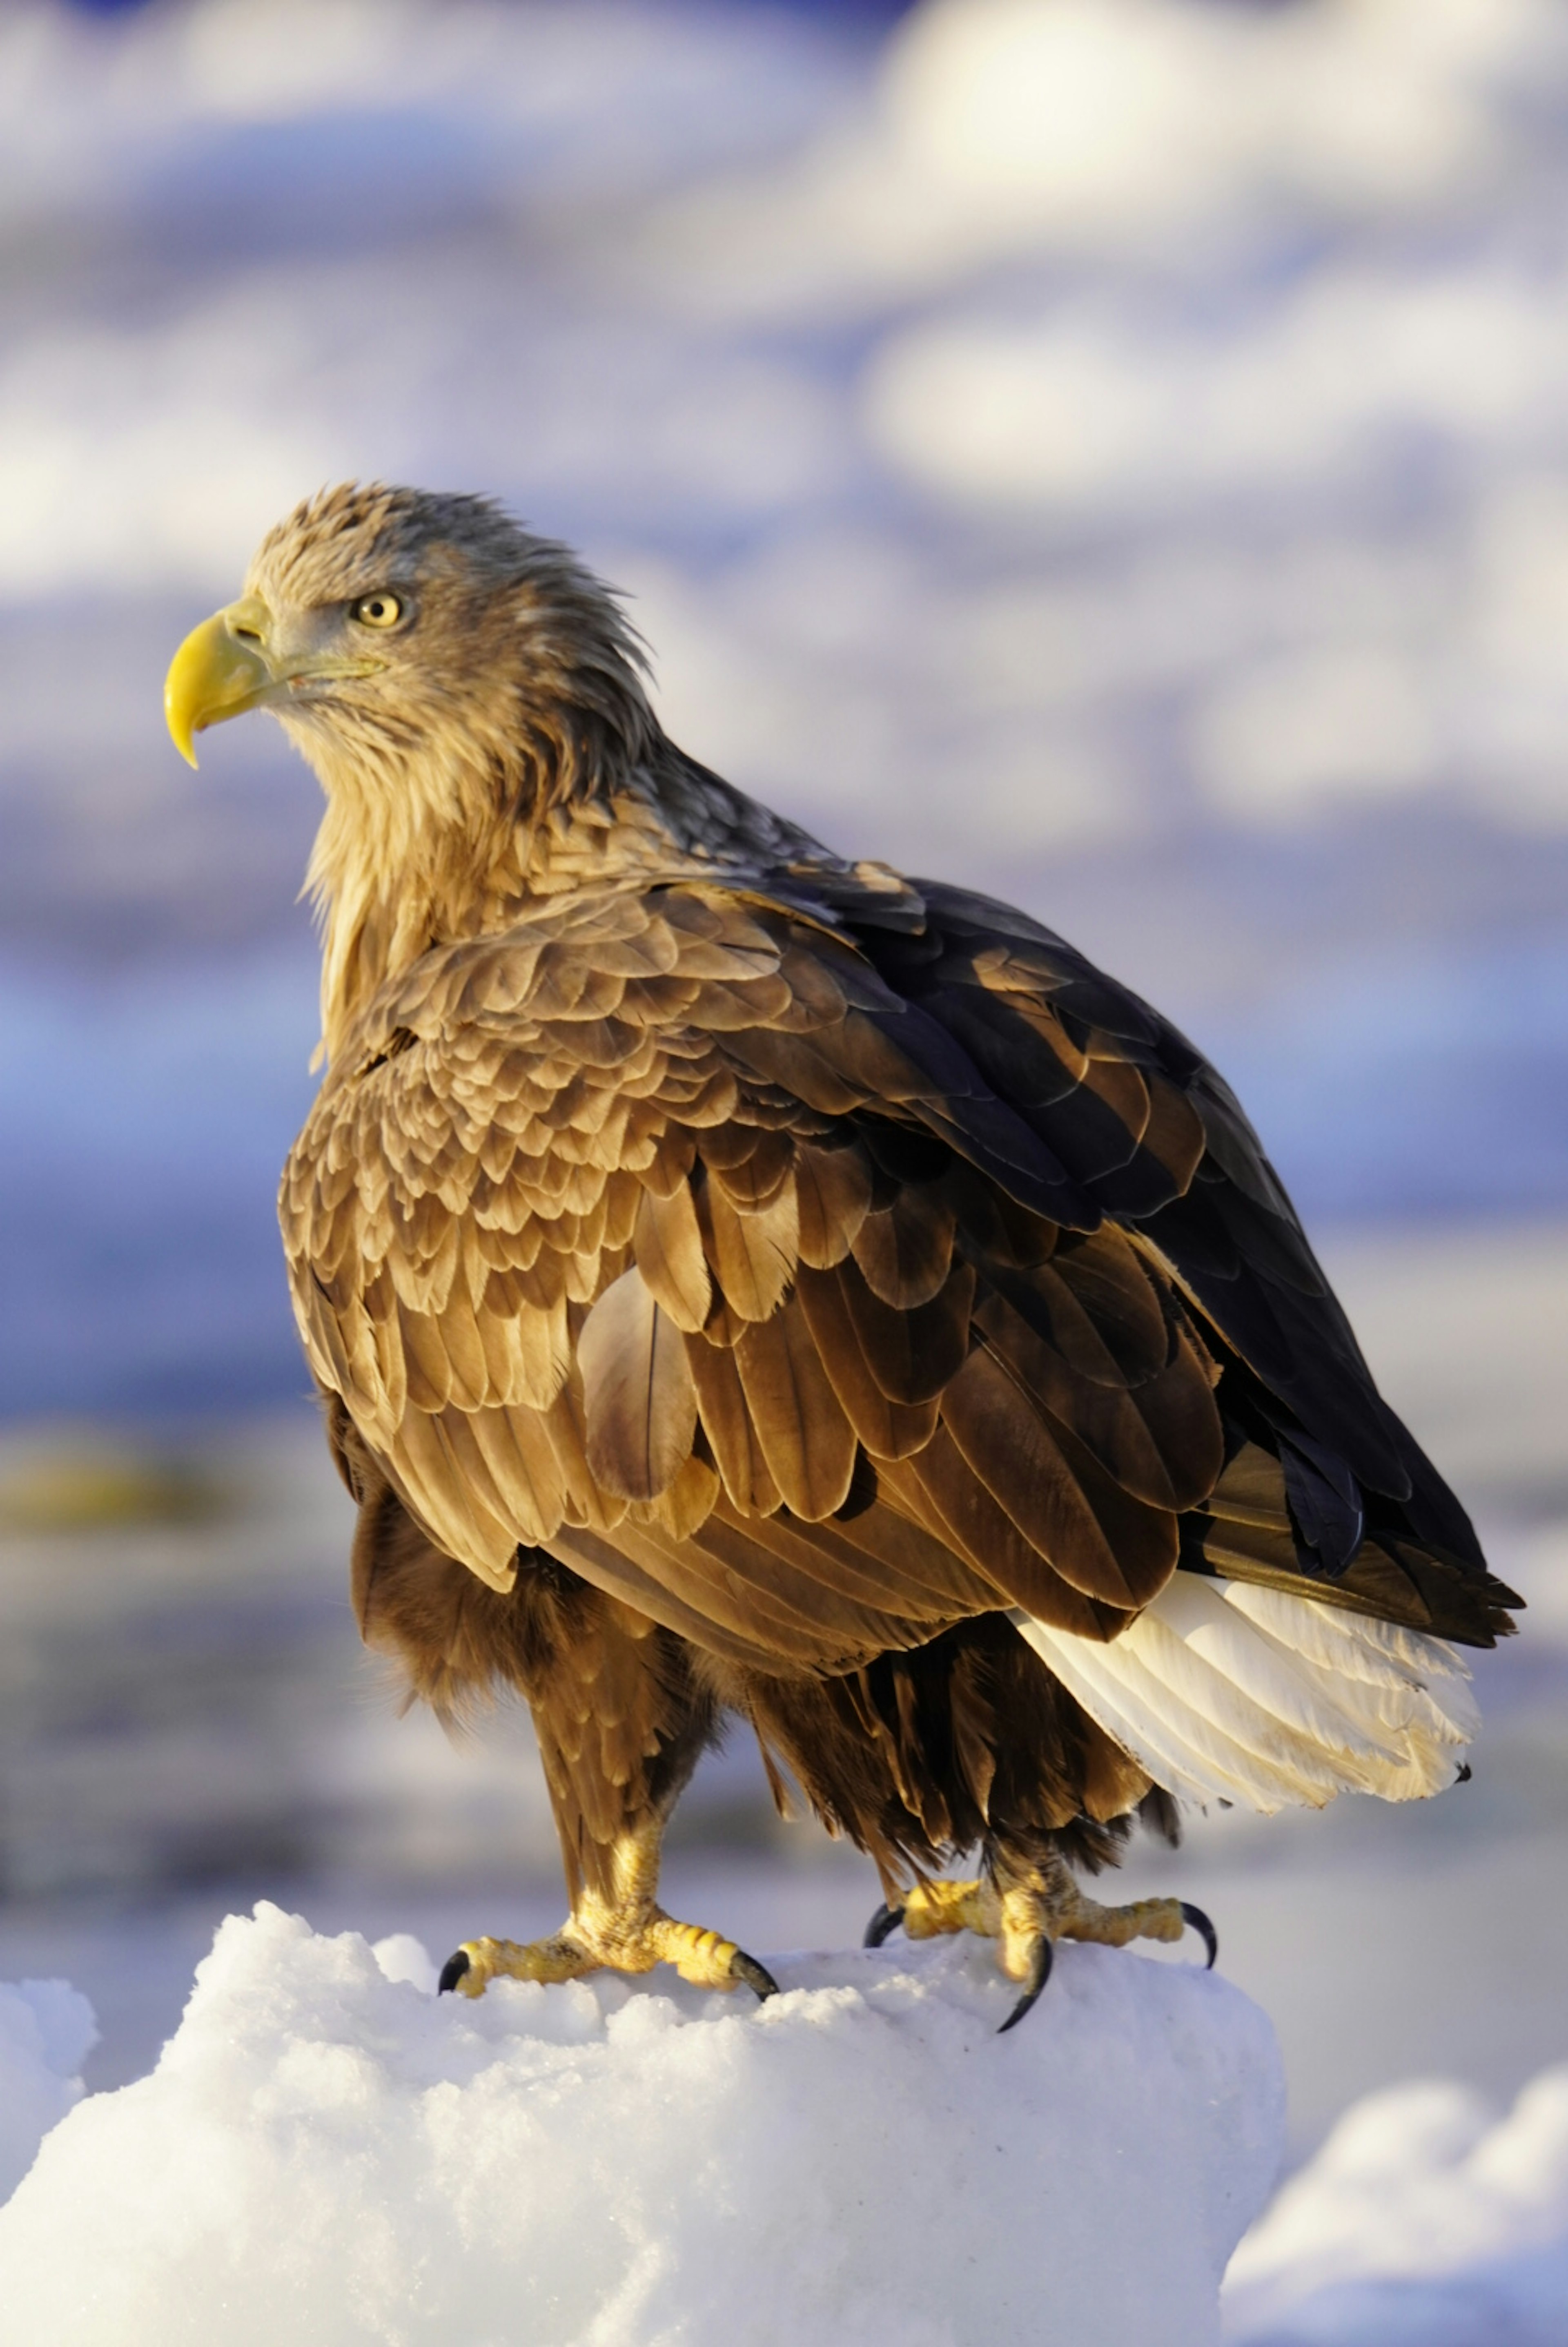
(326, 2151)
(330, 2154)
(1430, 2219)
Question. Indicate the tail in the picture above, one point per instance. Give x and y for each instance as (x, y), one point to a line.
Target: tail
(1224, 1691)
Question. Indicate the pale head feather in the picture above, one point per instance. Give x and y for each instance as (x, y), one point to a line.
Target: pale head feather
(515, 689)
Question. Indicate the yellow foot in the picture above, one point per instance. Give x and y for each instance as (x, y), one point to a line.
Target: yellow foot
(594, 1940)
(1026, 1918)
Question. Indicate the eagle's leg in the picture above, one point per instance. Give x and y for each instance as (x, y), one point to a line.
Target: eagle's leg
(621, 1713)
(622, 1719)
(1026, 1900)
(621, 1927)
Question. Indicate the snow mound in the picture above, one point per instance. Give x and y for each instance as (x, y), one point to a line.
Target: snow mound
(1426, 2220)
(46, 2030)
(330, 2153)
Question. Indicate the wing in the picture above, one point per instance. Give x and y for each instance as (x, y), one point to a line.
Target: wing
(810, 1292)
(1323, 1487)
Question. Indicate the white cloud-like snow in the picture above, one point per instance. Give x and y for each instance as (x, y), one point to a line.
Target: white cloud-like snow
(1428, 2219)
(325, 2152)
(148, 443)
(1119, 295)
(1093, 406)
(1116, 128)
(1065, 446)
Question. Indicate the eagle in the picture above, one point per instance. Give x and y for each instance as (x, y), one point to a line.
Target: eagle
(743, 1281)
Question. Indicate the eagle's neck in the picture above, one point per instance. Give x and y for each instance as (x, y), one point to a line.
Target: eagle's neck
(405, 862)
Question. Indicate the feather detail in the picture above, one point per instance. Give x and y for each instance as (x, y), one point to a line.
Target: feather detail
(940, 1491)
(806, 1438)
(833, 1190)
(753, 1255)
(546, 1351)
(888, 1430)
(430, 1474)
(669, 1255)
(995, 1226)
(428, 1369)
(1107, 1544)
(1162, 1441)
(638, 1398)
(755, 1179)
(1114, 1080)
(911, 1354)
(1224, 1692)
(525, 1470)
(1174, 1136)
(685, 1508)
(505, 1366)
(465, 1348)
(727, 1424)
(904, 1252)
(670, 1167)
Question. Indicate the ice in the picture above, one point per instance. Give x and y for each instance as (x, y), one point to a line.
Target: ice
(1427, 2218)
(326, 2151)
(46, 2030)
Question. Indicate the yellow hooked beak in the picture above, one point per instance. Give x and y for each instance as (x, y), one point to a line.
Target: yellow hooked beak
(228, 665)
(220, 669)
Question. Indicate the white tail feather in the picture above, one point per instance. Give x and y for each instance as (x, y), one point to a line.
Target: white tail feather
(1226, 1692)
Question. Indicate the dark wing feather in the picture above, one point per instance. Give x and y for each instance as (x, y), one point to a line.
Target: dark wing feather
(805, 1438)
(1199, 1198)
(886, 1427)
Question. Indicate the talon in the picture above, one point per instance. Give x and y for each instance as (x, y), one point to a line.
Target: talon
(453, 1971)
(883, 1923)
(746, 1970)
(1204, 1929)
(1039, 1973)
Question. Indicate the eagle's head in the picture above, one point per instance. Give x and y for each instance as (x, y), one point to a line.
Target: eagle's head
(415, 642)
(456, 684)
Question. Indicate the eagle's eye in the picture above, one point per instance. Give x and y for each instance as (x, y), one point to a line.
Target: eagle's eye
(377, 610)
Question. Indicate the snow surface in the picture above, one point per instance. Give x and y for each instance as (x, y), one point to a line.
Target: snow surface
(1427, 2219)
(325, 2151)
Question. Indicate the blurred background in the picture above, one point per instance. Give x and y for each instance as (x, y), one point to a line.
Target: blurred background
(1110, 452)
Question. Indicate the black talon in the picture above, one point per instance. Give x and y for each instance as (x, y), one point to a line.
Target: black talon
(453, 1971)
(1039, 1973)
(885, 1922)
(756, 1976)
(1205, 1929)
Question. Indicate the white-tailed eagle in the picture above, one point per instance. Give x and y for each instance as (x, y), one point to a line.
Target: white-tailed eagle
(744, 1281)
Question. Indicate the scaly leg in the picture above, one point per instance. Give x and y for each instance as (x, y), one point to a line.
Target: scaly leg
(1027, 1904)
(625, 1931)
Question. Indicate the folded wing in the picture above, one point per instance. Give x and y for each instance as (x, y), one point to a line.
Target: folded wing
(813, 1282)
